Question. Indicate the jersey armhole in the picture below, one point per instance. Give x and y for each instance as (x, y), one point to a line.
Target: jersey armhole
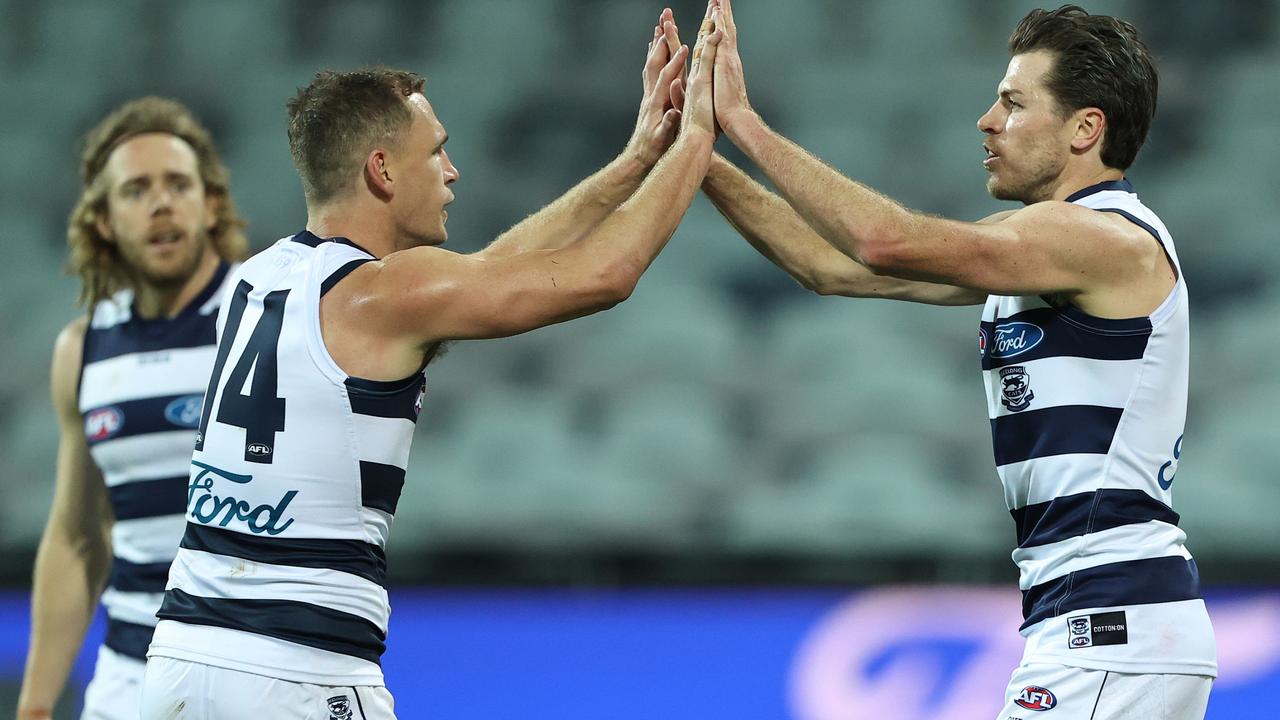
(319, 351)
(1177, 271)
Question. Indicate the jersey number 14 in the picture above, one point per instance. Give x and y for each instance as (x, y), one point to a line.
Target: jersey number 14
(260, 412)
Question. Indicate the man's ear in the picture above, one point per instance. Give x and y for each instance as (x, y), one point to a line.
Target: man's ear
(103, 226)
(377, 174)
(1091, 124)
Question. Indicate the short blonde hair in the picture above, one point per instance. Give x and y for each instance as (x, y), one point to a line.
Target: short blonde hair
(96, 260)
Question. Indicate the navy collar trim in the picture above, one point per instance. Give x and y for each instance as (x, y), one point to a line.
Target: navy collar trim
(1123, 185)
(310, 239)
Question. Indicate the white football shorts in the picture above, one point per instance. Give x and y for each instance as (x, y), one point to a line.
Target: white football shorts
(182, 690)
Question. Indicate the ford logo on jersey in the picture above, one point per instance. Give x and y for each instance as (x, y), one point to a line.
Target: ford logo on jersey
(1036, 698)
(103, 423)
(1014, 338)
(185, 411)
(207, 507)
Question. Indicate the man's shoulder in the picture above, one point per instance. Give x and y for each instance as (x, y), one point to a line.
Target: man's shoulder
(70, 339)
(1082, 221)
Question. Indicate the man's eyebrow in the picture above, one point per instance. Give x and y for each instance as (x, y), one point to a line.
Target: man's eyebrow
(1009, 92)
(443, 140)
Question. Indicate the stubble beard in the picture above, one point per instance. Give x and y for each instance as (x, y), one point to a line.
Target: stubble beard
(173, 277)
(1037, 186)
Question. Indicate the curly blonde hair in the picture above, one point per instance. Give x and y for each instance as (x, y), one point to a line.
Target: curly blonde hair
(96, 260)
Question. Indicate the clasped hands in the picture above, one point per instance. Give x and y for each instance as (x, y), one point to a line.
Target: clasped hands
(711, 97)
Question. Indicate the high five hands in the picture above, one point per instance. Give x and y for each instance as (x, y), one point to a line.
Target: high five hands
(671, 102)
(729, 91)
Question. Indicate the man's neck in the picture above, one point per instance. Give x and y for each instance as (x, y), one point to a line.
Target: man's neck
(371, 230)
(1083, 180)
(152, 301)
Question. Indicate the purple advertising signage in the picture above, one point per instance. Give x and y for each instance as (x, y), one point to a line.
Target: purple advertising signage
(910, 653)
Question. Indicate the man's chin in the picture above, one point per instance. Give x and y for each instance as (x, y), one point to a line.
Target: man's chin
(1001, 191)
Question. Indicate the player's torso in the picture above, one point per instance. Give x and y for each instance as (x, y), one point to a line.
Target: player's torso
(1087, 419)
(293, 485)
(140, 392)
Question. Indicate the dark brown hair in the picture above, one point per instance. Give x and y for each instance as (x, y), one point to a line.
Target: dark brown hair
(339, 118)
(96, 260)
(1099, 61)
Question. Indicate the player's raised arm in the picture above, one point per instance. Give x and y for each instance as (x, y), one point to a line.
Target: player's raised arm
(73, 560)
(383, 316)
(580, 210)
(444, 296)
(774, 229)
(1052, 248)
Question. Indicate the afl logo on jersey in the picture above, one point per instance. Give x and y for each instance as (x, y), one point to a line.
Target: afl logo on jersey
(1036, 698)
(103, 423)
(185, 411)
(982, 342)
(258, 450)
(1014, 338)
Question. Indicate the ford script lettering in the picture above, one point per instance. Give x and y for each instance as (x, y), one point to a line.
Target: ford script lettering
(207, 507)
(1013, 339)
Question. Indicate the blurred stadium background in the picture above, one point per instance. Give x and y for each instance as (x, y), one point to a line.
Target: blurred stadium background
(726, 497)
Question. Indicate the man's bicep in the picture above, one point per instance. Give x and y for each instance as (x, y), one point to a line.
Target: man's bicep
(80, 504)
(1043, 248)
(448, 296)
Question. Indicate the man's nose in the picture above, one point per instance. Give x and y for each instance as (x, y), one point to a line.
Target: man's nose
(989, 122)
(161, 200)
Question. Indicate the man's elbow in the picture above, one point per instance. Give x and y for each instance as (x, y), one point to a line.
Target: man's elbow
(882, 254)
(616, 281)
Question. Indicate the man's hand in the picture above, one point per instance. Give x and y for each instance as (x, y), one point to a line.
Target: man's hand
(732, 105)
(699, 111)
(663, 96)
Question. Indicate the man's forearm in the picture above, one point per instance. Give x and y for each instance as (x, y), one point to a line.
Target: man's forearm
(775, 229)
(637, 232)
(576, 213)
(60, 615)
(772, 226)
(852, 217)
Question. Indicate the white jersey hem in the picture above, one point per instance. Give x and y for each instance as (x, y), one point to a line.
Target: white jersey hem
(278, 673)
(1132, 667)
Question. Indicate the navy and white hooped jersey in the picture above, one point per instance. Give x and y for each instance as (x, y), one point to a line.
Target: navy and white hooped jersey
(1086, 420)
(141, 384)
(294, 482)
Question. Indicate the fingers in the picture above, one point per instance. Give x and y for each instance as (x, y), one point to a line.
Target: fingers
(670, 121)
(657, 57)
(677, 93)
(708, 24)
(726, 16)
(671, 34)
(708, 58)
(672, 69)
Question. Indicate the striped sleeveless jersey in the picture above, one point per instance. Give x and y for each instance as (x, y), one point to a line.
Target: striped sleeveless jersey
(1087, 420)
(141, 384)
(292, 488)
